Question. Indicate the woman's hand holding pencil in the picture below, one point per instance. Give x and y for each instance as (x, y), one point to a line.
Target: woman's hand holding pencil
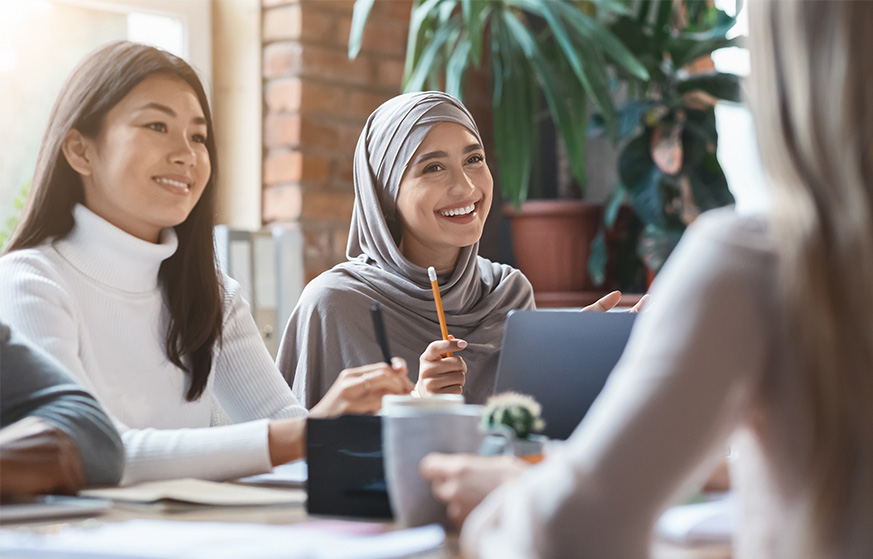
(440, 372)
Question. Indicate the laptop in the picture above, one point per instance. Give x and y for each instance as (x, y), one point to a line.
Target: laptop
(562, 359)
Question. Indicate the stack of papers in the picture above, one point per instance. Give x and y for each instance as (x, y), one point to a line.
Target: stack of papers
(198, 492)
(162, 539)
(711, 522)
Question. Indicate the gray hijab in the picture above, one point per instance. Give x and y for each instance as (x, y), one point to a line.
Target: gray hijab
(330, 328)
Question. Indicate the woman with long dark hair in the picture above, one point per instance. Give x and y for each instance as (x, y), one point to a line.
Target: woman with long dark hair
(112, 271)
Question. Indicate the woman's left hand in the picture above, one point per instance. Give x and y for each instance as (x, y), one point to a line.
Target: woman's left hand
(360, 390)
(610, 300)
(437, 372)
(462, 481)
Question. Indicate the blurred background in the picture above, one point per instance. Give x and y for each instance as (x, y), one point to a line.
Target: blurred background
(653, 128)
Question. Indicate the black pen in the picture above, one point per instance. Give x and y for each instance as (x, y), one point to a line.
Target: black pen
(379, 328)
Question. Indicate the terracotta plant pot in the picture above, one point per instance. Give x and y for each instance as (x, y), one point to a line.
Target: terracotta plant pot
(552, 243)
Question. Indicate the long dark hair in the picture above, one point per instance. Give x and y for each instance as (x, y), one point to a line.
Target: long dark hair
(190, 280)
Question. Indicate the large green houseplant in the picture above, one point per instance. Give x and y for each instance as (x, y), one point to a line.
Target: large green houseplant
(667, 167)
(536, 52)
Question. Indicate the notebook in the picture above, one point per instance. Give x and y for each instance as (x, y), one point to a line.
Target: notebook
(562, 359)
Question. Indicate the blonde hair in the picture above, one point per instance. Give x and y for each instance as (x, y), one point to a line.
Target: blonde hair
(812, 95)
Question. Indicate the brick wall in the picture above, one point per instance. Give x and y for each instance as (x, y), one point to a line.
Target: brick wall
(315, 103)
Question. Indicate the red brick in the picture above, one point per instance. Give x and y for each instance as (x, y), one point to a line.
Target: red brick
(283, 94)
(314, 267)
(314, 168)
(362, 103)
(343, 29)
(315, 133)
(318, 25)
(399, 10)
(349, 133)
(283, 23)
(318, 97)
(283, 168)
(389, 74)
(336, 6)
(282, 130)
(380, 37)
(333, 63)
(321, 205)
(282, 59)
(282, 203)
(344, 170)
(294, 167)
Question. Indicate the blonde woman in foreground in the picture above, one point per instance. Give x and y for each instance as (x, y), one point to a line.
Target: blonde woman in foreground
(774, 344)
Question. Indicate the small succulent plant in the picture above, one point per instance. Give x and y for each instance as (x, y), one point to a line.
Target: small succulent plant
(519, 412)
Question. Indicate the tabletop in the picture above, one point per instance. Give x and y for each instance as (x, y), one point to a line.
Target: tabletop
(296, 513)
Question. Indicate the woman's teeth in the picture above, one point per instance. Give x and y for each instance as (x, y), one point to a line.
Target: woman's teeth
(459, 211)
(171, 182)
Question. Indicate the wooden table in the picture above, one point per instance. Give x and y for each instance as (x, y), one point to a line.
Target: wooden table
(296, 513)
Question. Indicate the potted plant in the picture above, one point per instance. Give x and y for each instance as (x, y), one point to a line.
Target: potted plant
(667, 167)
(512, 421)
(543, 57)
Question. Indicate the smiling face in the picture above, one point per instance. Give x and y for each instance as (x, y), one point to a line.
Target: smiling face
(444, 197)
(148, 166)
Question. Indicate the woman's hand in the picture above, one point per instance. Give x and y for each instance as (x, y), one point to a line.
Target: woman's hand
(610, 300)
(462, 481)
(360, 390)
(438, 374)
(37, 457)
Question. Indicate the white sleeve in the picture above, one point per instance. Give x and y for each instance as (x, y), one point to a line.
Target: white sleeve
(248, 384)
(35, 303)
(682, 386)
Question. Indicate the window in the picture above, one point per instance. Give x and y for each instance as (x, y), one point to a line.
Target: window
(737, 148)
(41, 41)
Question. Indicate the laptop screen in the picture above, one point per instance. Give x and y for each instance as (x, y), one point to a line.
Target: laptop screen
(562, 359)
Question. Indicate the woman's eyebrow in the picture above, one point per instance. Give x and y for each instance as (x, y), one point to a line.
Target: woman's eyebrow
(437, 154)
(169, 112)
(430, 155)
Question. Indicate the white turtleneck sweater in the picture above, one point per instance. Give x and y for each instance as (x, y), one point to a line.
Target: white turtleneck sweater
(92, 300)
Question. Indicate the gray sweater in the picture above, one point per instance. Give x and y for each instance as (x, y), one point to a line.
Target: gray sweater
(32, 383)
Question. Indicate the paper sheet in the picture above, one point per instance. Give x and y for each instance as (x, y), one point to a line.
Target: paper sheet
(197, 491)
(163, 539)
(292, 474)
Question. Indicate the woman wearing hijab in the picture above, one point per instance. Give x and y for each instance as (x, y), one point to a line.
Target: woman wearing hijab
(386, 263)
(422, 193)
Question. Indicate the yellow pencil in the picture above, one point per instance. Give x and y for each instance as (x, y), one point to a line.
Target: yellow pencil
(431, 274)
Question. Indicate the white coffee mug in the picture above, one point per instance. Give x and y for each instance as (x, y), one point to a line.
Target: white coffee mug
(411, 431)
